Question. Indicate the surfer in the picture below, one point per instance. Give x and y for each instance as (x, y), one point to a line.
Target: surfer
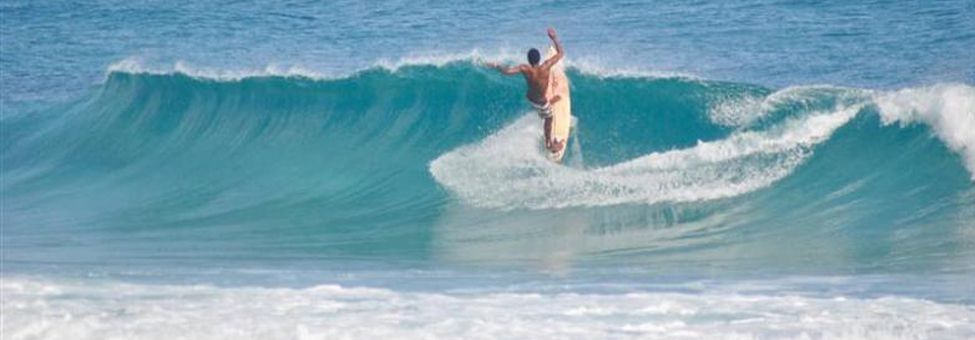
(537, 76)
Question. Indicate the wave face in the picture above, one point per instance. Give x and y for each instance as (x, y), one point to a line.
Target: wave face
(442, 162)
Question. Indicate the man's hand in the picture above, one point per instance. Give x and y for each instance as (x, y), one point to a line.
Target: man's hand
(558, 50)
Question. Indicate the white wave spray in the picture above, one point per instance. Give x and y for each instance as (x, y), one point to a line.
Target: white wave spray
(507, 171)
(948, 108)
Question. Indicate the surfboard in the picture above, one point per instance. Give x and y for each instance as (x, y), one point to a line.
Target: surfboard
(561, 110)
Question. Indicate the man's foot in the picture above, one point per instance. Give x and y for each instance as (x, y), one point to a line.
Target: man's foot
(555, 145)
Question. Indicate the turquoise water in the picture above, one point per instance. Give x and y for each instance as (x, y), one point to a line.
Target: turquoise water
(300, 170)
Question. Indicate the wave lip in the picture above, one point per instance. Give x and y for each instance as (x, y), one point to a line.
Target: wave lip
(741, 111)
(133, 65)
(137, 65)
(949, 109)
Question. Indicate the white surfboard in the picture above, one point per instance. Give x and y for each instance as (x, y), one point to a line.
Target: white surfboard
(562, 109)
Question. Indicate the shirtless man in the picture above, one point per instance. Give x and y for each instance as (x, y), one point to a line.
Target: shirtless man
(537, 77)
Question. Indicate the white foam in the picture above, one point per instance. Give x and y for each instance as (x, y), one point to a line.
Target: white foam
(588, 66)
(597, 68)
(948, 108)
(743, 110)
(440, 59)
(46, 309)
(507, 170)
(136, 65)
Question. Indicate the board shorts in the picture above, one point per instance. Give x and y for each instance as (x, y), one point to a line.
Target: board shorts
(544, 110)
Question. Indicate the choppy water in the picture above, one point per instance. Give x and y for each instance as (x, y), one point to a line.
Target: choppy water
(760, 169)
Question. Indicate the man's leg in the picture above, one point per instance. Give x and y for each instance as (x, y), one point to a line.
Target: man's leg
(548, 125)
(548, 133)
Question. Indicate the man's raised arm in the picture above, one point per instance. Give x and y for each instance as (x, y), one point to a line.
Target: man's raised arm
(558, 50)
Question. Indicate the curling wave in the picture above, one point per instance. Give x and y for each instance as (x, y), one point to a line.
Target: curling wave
(441, 159)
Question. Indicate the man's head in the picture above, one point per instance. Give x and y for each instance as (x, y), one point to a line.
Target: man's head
(534, 57)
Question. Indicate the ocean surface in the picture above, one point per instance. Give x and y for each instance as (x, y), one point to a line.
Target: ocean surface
(301, 170)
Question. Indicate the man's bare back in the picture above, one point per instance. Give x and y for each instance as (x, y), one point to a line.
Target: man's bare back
(537, 77)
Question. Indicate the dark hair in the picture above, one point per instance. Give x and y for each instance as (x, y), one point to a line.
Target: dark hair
(534, 57)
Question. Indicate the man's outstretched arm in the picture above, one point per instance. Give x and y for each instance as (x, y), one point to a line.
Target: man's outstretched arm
(505, 69)
(558, 50)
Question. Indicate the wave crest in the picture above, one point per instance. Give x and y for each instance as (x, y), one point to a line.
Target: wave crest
(948, 108)
(137, 65)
